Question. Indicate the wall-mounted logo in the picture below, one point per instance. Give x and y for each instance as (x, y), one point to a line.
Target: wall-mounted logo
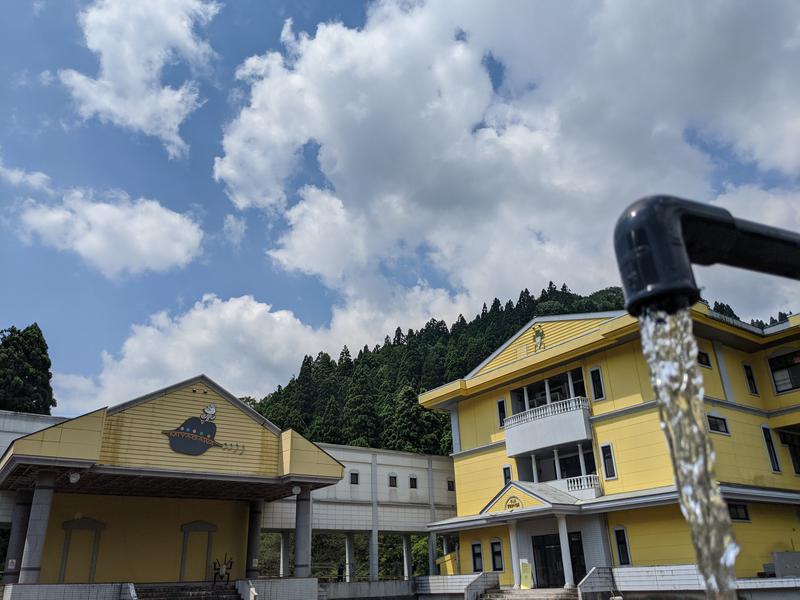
(196, 435)
(513, 503)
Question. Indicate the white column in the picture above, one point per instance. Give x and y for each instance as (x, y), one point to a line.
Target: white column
(563, 541)
(302, 534)
(408, 564)
(284, 572)
(19, 530)
(349, 558)
(445, 545)
(373, 555)
(569, 383)
(558, 464)
(512, 539)
(547, 389)
(535, 470)
(527, 399)
(580, 458)
(37, 528)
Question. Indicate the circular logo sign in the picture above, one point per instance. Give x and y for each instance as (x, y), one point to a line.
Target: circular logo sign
(513, 503)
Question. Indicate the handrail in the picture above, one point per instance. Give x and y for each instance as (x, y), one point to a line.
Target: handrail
(547, 410)
(582, 482)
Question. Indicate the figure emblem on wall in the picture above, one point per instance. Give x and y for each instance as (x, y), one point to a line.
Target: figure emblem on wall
(197, 435)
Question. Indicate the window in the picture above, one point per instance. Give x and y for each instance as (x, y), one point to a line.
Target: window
(792, 442)
(451, 485)
(597, 384)
(738, 512)
(621, 539)
(608, 461)
(506, 475)
(353, 477)
(704, 359)
(477, 558)
(786, 371)
(773, 455)
(751, 379)
(578, 388)
(717, 424)
(392, 480)
(501, 411)
(497, 555)
(412, 482)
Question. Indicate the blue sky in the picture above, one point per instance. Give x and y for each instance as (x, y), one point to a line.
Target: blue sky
(192, 186)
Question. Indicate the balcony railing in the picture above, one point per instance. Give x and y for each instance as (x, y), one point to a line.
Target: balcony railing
(547, 410)
(583, 482)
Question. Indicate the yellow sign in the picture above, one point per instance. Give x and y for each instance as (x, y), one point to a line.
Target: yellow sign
(525, 575)
(513, 503)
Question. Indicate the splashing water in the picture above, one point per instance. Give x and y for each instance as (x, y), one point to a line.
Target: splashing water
(671, 352)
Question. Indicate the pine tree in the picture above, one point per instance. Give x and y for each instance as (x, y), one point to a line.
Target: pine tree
(25, 371)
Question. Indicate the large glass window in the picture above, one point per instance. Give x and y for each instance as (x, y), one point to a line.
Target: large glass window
(537, 394)
(578, 387)
(792, 442)
(497, 555)
(608, 461)
(570, 466)
(559, 387)
(621, 539)
(477, 558)
(588, 459)
(773, 454)
(786, 371)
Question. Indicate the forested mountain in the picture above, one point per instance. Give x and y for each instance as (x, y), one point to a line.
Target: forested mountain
(371, 400)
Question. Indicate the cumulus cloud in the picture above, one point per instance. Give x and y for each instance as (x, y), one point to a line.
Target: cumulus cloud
(116, 236)
(233, 230)
(33, 180)
(134, 42)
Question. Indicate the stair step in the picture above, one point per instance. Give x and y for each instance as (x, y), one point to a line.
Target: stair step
(534, 594)
(187, 592)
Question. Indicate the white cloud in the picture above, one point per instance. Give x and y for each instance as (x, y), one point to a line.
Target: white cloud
(47, 78)
(233, 229)
(34, 180)
(116, 236)
(134, 42)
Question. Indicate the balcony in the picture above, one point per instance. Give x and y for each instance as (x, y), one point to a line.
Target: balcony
(583, 486)
(546, 426)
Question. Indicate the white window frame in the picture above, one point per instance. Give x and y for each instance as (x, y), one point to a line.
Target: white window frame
(746, 366)
(708, 354)
(358, 477)
(501, 422)
(613, 460)
(774, 448)
(502, 555)
(602, 383)
(510, 475)
(778, 354)
(746, 510)
(480, 553)
(389, 480)
(416, 481)
(627, 545)
(716, 415)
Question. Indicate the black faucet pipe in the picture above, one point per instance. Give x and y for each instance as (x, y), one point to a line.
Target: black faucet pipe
(659, 237)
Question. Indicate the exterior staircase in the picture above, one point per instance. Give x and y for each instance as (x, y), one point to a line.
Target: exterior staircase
(535, 594)
(196, 591)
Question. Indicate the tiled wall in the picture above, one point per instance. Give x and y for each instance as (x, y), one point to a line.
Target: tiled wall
(286, 589)
(99, 591)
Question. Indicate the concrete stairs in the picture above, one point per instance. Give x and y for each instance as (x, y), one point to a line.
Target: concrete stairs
(536, 594)
(187, 592)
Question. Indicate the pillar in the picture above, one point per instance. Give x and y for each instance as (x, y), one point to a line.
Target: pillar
(432, 553)
(566, 559)
(582, 461)
(253, 539)
(445, 545)
(557, 463)
(37, 528)
(512, 539)
(535, 469)
(373, 555)
(527, 399)
(570, 384)
(284, 572)
(547, 390)
(408, 561)
(16, 540)
(302, 534)
(349, 558)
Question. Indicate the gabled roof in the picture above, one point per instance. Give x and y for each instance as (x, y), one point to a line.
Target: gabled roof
(534, 496)
(205, 379)
(593, 316)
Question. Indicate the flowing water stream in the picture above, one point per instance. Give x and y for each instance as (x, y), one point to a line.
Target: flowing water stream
(671, 352)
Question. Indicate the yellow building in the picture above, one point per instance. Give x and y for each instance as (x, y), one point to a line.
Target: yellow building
(163, 488)
(559, 459)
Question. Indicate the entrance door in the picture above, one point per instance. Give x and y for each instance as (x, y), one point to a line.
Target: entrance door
(547, 559)
(196, 551)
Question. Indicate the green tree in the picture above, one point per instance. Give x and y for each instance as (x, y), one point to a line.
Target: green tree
(724, 309)
(25, 371)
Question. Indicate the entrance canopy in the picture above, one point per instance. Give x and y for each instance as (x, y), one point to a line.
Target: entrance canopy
(190, 440)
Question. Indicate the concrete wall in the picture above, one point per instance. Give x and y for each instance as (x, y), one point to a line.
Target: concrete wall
(109, 591)
(286, 589)
(394, 590)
